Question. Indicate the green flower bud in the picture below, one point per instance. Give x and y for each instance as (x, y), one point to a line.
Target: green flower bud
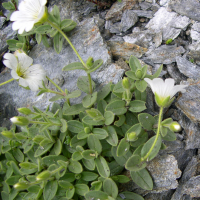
(175, 126)
(139, 74)
(89, 62)
(169, 41)
(21, 121)
(43, 175)
(25, 111)
(163, 102)
(21, 186)
(125, 83)
(87, 130)
(7, 134)
(132, 136)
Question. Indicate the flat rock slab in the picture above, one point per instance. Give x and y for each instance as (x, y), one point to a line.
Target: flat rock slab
(188, 8)
(189, 103)
(187, 68)
(165, 54)
(168, 22)
(88, 42)
(125, 49)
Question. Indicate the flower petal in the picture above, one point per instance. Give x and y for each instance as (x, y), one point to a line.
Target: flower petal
(14, 74)
(178, 88)
(23, 82)
(11, 61)
(24, 60)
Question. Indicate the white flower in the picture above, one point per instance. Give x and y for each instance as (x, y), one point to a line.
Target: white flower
(22, 69)
(164, 90)
(29, 13)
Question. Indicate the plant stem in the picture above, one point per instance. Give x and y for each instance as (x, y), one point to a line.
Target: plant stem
(55, 85)
(57, 170)
(72, 46)
(157, 134)
(12, 79)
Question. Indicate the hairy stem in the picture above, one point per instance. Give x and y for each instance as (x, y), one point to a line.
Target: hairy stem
(12, 79)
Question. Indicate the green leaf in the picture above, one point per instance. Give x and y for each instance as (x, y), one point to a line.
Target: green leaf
(96, 195)
(140, 95)
(66, 23)
(45, 41)
(15, 168)
(171, 136)
(104, 92)
(96, 185)
(142, 138)
(13, 180)
(109, 117)
(120, 160)
(58, 42)
(121, 121)
(95, 114)
(89, 154)
(73, 94)
(28, 165)
(123, 147)
(75, 126)
(52, 159)
(94, 143)
(81, 189)
(64, 127)
(102, 167)
(50, 190)
(43, 149)
(65, 184)
(12, 44)
(100, 133)
(75, 166)
(89, 100)
(74, 110)
(83, 84)
(131, 75)
(112, 136)
(19, 156)
(8, 6)
(146, 120)
(134, 63)
(56, 13)
(89, 164)
(130, 196)
(137, 106)
(57, 149)
(89, 176)
(77, 156)
(43, 29)
(95, 66)
(56, 97)
(89, 120)
(156, 74)
(134, 163)
(110, 187)
(122, 179)
(131, 118)
(142, 179)
(70, 27)
(147, 146)
(115, 168)
(73, 66)
(163, 131)
(141, 85)
(101, 106)
(117, 107)
(76, 142)
(118, 88)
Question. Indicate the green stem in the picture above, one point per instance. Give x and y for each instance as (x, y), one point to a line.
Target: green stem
(54, 92)
(72, 46)
(12, 79)
(55, 85)
(157, 135)
(44, 123)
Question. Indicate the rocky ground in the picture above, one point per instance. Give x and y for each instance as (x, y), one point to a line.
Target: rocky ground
(133, 27)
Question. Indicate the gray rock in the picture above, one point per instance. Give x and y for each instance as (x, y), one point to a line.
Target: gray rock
(2, 21)
(196, 26)
(141, 38)
(187, 68)
(141, 13)
(188, 8)
(158, 39)
(6, 34)
(113, 28)
(159, 196)
(192, 187)
(145, 5)
(191, 129)
(115, 12)
(194, 51)
(168, 22)
(195, 36)
(88, 42)
(189, 101)
(165, 54)
(125, 49)
(164, 3)
(129, 18)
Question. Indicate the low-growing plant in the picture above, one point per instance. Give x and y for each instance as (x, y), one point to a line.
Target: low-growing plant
(79, 151)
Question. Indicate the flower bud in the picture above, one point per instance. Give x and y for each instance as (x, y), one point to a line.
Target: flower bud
(7, 134)
(87, 130)
(43, 175)
(175, 126)
(132, 136)
(125, 83)
(25, 111)
(21, 186)
(21, 121)
(138, 73)
(89, 62)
